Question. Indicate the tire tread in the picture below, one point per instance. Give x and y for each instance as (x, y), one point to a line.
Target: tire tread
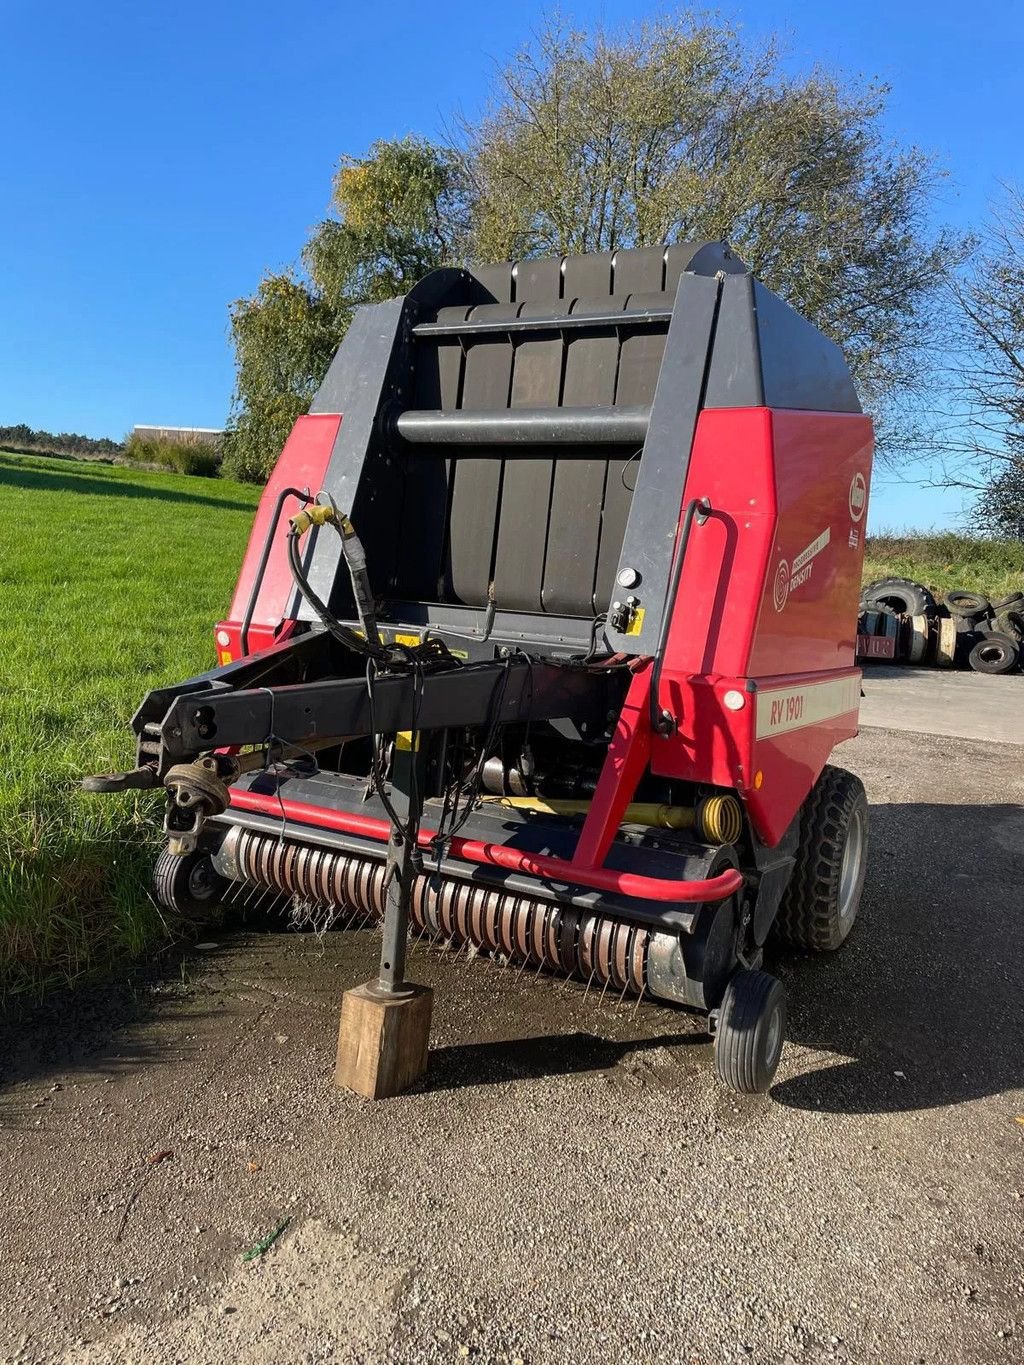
(806, 917)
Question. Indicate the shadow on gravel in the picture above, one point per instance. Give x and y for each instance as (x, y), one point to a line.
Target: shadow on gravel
(95, 1027)
(927, 996)
(520, 1059)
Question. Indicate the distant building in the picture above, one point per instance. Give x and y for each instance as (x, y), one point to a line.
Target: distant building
(208, 436)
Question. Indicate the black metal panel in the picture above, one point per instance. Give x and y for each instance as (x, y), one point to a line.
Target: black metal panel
(800, 367)
(587, 277)
(514, 691)
(539, 280)
(526, 492)
(700, 258)
(357, 382)
(476, 485)
(768, 355)
(653, 521)
(496, 279)
(577, 498)
(426, 484)
(639, 272)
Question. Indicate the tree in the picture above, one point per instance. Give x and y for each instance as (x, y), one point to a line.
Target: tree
(984, 442)
(677, 131)
(400, 212)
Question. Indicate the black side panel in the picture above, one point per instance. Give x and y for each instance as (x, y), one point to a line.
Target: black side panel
(653, 522)
(477, 482)
(359, 378)
(768, 355)
(526, 490)
(800, 368)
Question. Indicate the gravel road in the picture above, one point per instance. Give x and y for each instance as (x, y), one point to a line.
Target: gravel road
(569, 1184)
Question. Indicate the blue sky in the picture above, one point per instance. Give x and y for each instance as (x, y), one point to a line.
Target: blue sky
(156, 159)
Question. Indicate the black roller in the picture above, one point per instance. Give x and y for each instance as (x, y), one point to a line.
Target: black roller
(526, 426)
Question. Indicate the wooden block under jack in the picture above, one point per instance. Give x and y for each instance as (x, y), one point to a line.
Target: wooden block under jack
(383, 1040)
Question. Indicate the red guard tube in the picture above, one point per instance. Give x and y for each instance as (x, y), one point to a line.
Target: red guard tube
(497, 855)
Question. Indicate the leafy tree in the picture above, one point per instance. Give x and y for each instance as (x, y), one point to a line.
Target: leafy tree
(984, 442)
(677, 131)
(399, 213)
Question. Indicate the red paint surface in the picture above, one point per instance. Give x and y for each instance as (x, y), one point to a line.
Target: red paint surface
(623, 767)
(498, 855)
(777, 481)
(301, 464)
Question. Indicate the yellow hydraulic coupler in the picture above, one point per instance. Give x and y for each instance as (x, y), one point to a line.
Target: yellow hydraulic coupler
(718, 818)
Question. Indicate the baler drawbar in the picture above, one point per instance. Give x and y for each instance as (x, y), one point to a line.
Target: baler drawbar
(542, 642)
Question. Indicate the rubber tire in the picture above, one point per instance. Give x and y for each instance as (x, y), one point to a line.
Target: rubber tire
(1007, 652)
(1010, 623)
(901, 595)
(969, 606)
(809, 914)
(748, 1046)
(176, 883)
(1015, 602)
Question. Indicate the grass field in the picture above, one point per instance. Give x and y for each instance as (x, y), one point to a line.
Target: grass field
(947, 560)
(110, 581)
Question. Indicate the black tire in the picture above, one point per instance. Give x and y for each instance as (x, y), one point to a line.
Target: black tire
(821, 902)
(751, 1031)
(902, 596)
(969, 606)
(1010, 623)
(995, 654)
(1015, 602)
(187, 886)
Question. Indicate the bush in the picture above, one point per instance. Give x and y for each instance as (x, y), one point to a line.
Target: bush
(186, 455)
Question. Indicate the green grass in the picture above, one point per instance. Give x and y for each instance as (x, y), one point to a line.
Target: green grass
(110, 580)
(946, 560)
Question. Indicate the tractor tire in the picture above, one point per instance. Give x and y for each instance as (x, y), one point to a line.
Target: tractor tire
(1011, 623)
(901, 595)
(969, 606)
(917, 649)
(188, 886)
(820, 905)
(750, 1033)
(1014, 602)
(995, 654)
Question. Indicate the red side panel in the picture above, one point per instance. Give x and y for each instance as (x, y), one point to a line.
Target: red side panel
(301, 464)
(758, 665)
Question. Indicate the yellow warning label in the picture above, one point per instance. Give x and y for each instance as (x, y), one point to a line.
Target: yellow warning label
(636, 624)
(411, 640)
(223, 656)
(403, 741)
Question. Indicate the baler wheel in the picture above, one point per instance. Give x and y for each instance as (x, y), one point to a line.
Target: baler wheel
(751, 1030)
(187, 885)
(823, 896)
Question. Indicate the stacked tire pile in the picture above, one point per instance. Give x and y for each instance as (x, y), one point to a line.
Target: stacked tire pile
(965, 630)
